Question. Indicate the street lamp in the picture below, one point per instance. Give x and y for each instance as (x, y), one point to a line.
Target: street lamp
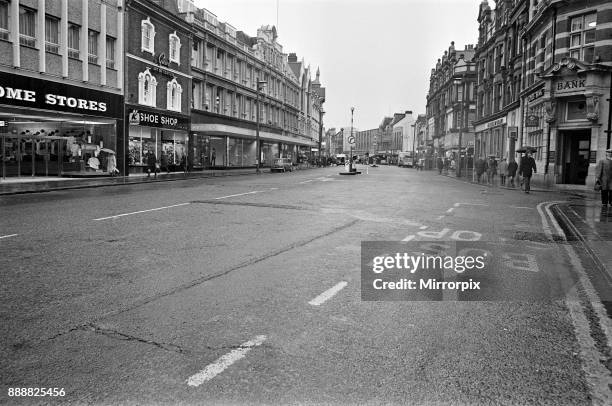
(459, 83)
(351, 139)
(321, 112)
(260, 85)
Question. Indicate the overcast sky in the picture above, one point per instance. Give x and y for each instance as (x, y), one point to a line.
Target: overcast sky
(374, 55)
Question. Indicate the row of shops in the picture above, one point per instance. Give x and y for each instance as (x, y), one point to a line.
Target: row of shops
(49, 128)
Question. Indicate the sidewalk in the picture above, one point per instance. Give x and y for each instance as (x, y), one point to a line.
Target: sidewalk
(31, 184)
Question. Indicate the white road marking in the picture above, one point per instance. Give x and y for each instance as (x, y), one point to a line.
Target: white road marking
(470, 204)
(450, 210)
(224, 362)
(307, 181)
(7, 236)
(422, 227)
(328, 294)
(140, 211)
(409, 238)
(440, 217)
(520, 207)
(239, 194)
(273, 188)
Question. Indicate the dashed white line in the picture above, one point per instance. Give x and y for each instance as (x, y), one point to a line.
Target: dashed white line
(239, 194)
(409, 238)
(307, 181)
(328, 294)
(140, 211)
(521, 207)
(450, 210)
(224, 362)
(7, 236)
(440, 217)
(422, 227)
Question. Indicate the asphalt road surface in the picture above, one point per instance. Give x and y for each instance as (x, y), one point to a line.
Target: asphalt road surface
(250, 290)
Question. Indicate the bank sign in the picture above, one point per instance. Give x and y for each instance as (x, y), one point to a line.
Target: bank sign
(23, 91)
(156, 119)
(571, 85)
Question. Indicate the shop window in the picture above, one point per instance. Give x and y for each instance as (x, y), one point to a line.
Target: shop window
(582, 37)
(174, 95)
(74, 34)
(576, 110)
(27, 27)
(147, 85)
(52, 35)
(4, 25)
(110, 52)
(175, 48)
(92, 46)
(147, 41)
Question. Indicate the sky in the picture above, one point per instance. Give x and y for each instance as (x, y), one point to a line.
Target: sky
(374, 55)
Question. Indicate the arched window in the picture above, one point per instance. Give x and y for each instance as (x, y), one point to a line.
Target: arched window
(147, 86)
(175, 48)
(174, 93)
(147, 43)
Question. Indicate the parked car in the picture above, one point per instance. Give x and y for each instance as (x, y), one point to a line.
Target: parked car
(282, 165)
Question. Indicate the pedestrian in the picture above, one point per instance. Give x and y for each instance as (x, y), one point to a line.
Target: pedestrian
(512, 168)
(491, 170)
(213, 157)
(440, 165)
(184, 163)
(152, 164)
(481, 167)
(164, 163)
(527, 168)
(603, 175)
(503, 171)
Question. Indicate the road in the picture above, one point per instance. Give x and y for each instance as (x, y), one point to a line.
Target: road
(248, 290)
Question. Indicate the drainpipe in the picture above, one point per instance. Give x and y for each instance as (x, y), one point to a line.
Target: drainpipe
(554, 39)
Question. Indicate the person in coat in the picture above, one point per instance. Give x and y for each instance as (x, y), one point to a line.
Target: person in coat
(512, 168)
(603, 173)
(481, 167)
(491, 170)
(503, 171)
(151, 164)
(527, 168)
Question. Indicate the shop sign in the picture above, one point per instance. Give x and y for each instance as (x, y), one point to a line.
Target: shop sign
(532, 121)
(23, 91)
(535, 95)
(562, 86)
(155, 119)
(496, 123)
(513, 133)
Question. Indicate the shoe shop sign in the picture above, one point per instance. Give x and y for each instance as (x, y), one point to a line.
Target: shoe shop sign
(157, 119)
(24, 91)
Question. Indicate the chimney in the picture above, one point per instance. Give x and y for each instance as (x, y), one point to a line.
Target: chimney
(292, 57)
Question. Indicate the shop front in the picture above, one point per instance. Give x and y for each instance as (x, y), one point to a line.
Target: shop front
(54, 129)
(491, 138)
(163, 134)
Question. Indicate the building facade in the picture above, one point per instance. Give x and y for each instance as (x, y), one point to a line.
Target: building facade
(233, 75)
(61, 86)
(157, 86)
(451, 104)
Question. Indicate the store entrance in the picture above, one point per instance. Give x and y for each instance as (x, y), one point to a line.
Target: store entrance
(576, 146)
(30, 156)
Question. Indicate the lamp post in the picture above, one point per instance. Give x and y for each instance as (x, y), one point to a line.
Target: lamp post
(321, 112)
(459, 83)
(351, 140)
(260, 85)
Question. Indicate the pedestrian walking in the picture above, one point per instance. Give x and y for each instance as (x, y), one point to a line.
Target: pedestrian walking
(152, 164)
(503, 171)
(164, 163)
(184, 163)
(491, 170)
(213, 157)
(512, 168)
(481, 167)
(603, 175)
(527, 168)
(440, 165)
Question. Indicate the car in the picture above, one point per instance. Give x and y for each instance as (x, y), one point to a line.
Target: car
(282, 165)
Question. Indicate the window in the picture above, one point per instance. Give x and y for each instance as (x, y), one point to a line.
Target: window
(147, 87)
(73, 40)
(4, 26)
(110, 52)
(175, 48)
(52, 35)
(27, 27)
(92, 46)
(582, 37)
(174, 95)
(147, 43)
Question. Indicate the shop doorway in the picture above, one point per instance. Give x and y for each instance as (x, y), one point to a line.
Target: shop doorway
(576, 147)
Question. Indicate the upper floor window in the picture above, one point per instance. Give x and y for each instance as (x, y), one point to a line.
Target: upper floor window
(92, 46)
(175, 48)
(110, 52)
(147, 86)
(4, 26)
(52, 35)
(582, 37)
(27, 26)
(74, 36)
(147, 43)
(175, 91)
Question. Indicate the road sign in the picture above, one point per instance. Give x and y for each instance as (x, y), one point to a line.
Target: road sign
(351, 139)
(2, 123)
